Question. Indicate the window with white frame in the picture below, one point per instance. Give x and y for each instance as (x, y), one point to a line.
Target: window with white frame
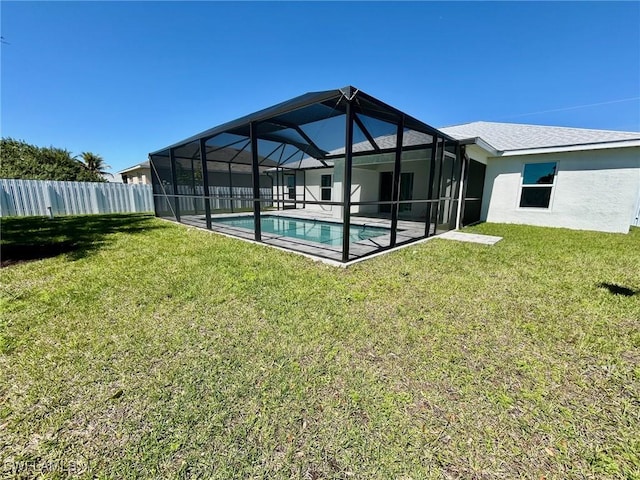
(290, 180)
(538, 180)
(325, 190)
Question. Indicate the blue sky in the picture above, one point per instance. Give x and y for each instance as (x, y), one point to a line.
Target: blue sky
(122, 79)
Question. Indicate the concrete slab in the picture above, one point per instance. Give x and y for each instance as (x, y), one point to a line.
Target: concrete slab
(470, 237)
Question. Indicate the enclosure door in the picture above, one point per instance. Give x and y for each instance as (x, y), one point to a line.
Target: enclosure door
(473, 192)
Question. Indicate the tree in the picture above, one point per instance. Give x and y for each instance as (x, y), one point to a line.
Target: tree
(94, 163)
(19, 159)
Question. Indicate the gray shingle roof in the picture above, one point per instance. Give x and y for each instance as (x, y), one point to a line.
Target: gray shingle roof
(409, 138)
(515, 136)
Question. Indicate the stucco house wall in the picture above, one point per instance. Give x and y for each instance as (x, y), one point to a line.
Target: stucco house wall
(312, 187)
(594, 190)
(476, 153)
(281, 190)
(142, 176)
(138, 174)
(365, 181)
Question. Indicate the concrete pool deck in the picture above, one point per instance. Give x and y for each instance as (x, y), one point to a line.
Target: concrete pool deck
(409, 233)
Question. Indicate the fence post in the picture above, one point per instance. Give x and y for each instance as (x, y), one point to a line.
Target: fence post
(132, 199)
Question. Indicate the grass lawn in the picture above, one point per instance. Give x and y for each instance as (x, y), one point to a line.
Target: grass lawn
(140, 348)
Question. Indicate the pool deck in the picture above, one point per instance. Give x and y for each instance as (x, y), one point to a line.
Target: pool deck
(407, 231)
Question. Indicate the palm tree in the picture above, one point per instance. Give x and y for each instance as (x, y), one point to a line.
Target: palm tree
(94, 163)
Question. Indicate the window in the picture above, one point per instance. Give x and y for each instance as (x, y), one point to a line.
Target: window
(291, 186)
(325, 190)
(538, 180)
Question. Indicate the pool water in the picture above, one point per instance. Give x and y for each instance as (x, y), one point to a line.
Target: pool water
(317, 231)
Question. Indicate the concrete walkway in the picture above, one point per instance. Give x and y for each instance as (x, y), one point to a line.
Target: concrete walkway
(470, 237)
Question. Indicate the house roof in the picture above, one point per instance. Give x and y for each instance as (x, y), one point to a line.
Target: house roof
(514, 136)
(136, 167)
(385, 142)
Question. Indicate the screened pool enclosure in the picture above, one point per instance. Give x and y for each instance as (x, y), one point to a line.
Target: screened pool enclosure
(335, 174)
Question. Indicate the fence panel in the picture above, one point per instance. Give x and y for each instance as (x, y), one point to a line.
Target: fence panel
(219, 198)
(39, 197)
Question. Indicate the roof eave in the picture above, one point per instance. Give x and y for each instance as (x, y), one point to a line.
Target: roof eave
(136, 167)
(482, 144)
(572, 148)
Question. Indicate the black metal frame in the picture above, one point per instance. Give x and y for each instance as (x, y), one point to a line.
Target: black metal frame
(309, 108)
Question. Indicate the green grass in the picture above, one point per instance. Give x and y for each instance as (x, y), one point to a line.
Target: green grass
(155, 350)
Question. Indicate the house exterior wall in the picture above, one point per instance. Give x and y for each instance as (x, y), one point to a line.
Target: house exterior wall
(365, 182)
(593, 190)
(476, 153)
(138, 176)
(365, 186)
(281, 190)
(312, 189)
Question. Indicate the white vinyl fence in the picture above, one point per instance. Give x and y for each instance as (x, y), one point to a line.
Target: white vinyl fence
(219, 197)
(42, 197)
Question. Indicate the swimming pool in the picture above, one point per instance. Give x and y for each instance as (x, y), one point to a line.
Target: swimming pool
(318, 231)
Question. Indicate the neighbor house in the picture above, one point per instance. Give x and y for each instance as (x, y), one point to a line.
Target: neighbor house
(136, 174)
(342, 175)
